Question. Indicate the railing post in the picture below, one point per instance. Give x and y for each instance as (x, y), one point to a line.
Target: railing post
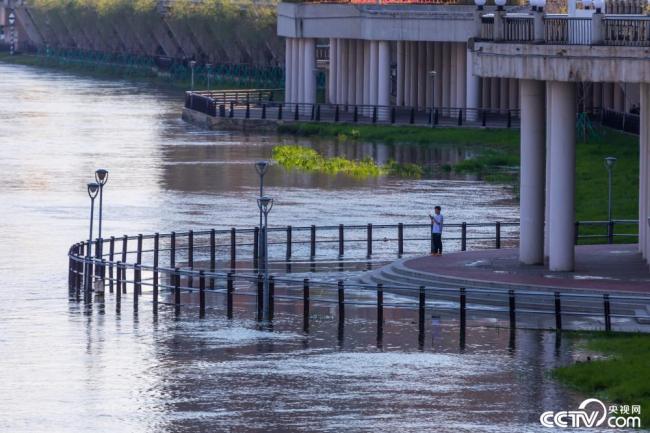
(336, 113)
(233, 248)
(125, 252)
(374, 114)
(156, 260)
(341, 295)
(577, 233)
(289, 242)
(213, 255)
(118, 292)
(312, 242)
(610, 232)
(190, 257)
(558, 311)
(111, 258)
(260, 297)
(608, 319)
(355, 116)
(232, 109)
(436, 116)
(172, 250)
(369, 241)
(463, 308)
(202, 293)
(498, 235)
(248, 110)
(341, 240)
(177, 290)
(421, 310)
(318, 112)
(400, 239)
(263, 111)
(280, 111)
(392, 114)
(230, 288)
(412, 116)
(296, 114)
(460, 117)
(380, 310)
(305, 304)
(463, 236)
(256, 246)
(484, 117)
(512, 308)
(136, 286)
(271, 296)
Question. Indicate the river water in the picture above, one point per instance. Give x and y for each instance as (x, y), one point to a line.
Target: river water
(63, 370)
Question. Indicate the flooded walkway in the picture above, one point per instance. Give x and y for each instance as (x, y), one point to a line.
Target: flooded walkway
(68, 369)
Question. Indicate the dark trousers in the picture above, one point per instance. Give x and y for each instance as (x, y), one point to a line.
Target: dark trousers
(437, 243)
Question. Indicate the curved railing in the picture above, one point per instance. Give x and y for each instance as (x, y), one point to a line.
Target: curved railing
(185, 267)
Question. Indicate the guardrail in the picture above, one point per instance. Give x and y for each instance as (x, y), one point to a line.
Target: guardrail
(369, 114)
(519, 28)
(627, 30)
(189, 265)
(567, 30)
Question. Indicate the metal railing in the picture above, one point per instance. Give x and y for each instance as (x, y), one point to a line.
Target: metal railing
(487, 27)
(347, 113)
(519, 28)
(562, 29)
(627, 122)
(627, 30)
(190, 265)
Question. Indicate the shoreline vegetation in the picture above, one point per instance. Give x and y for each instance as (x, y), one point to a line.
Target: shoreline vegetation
(621, 376)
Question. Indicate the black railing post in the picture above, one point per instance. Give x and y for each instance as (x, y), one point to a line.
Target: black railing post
(233, 248)
(460, 117)
(256, 247)
(305, 304)
(412, 116)
(202, 293)
(341, 240)
(118, 292)
(296, 113)
(248, 111)
(230, 288)
(336, 113)
(125, 253)
(380, 310)
(260, 297)
(369, 241)
(213, 255)
(463, 236)
(271, 296)
(232, 109)
(312, 241)
(463, 308)
(421, 311)
(156, 260)
(400, 239)
(374, 114)
(313, 112)
(558, 311)
(436, 116)
(289, 242)
(263, 111)
(172, 250)
(511, 308)
(483, 117)
(610, 232)
(509, 119)
(280, 111)
(111, 258)
(355, 116)
(577, 233)
(392, 114)
(341, 295)
(608, 318)
(498, 235)
(318, 112)
(177, 290)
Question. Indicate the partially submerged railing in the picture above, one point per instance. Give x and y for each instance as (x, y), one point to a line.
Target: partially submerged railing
(187, 267)
(261, 109)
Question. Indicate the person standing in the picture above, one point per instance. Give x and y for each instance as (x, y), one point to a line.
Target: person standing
(437, 221)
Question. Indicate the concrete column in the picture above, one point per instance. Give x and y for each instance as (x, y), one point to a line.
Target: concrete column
(301, 71)
(359, 79)
(429, 67)
(495, 92)
(472, 83)
(400, 73)
(485, 92)
(446, 70)
(422, 74)
(407, 74)
(352, 71)
(340, 71)
(413, 77)
(513, 93)
(503, 94)
(331, 91)
(563, 166)
(288, 69)
(344, 78)
(461, 71)
(533, 172)
(383, 79)
(295, 80)
(366, 73)
(374, 69)
(437, 66)
(310, 71)
(453, 76)
(644, 171)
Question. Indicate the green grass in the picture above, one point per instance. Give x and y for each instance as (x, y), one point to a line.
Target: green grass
(623, 377)
(307, 159)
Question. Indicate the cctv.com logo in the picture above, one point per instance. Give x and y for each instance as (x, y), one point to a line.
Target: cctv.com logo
(593, 413)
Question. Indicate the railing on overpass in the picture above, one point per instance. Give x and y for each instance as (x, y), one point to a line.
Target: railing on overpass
(617, 30)
(260, 106)
(184, 267)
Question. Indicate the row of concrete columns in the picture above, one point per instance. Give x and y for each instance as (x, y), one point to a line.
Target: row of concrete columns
(300, 70)
(547, 179)
(359, 72)
(612, 96)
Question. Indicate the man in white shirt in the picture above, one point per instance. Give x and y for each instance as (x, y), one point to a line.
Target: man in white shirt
(437, 221)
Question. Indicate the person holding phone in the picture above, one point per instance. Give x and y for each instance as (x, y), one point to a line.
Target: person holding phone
(437, 221)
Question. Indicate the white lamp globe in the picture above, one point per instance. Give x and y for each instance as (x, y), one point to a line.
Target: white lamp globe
(500, 3)
(599, 4)
(481, 3)
(541, 3)
(587, 3)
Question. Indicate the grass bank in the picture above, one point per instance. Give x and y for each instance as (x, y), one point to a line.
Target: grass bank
(622, 377)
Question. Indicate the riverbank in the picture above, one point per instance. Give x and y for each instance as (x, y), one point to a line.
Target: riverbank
(620, 374)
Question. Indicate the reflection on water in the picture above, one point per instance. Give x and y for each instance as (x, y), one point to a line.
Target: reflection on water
(62, 370)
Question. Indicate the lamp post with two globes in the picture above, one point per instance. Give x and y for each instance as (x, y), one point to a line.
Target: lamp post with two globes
(265, 205)
(261, 167)
(101, 177)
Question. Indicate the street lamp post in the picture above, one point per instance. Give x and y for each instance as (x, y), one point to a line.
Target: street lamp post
(93, 189)
(261, 167)
(265, 204)
(609, 164)
(192, 65)
(432, 74)
(101, 177)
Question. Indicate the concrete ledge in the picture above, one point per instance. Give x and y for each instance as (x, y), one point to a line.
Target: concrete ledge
(562, 62)
(226, 123)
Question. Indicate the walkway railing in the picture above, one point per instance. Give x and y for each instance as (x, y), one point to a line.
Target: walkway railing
(565, 30)
(369, 114)
(186, 267)
(519, 28)
(627, 30)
